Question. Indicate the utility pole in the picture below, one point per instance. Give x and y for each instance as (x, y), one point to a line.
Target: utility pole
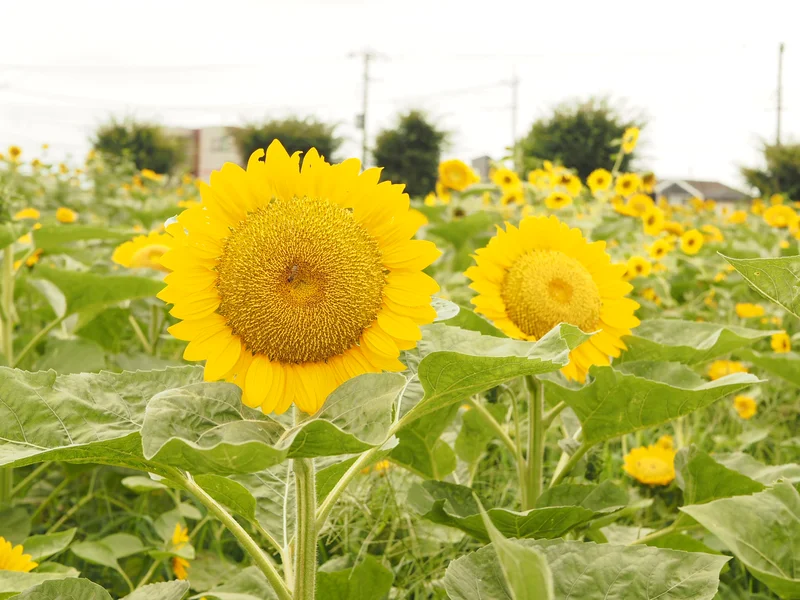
(514, 108)
(361, 119)
(780, 95)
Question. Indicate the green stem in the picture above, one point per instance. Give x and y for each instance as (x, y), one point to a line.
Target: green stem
(559, 475)
(493, 424)
(127, 579)
(36, 339)
(6, 486)
(674, 527)
(8, 305)
(261, 560)
(305, 583)
(56, 490)
(147, 576)
(22, 486)
(140, 334)
(522, 464)
(551, 414)
(535, 439)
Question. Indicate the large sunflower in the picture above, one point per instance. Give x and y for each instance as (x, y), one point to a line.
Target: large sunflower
(530, 279)
(291, 280)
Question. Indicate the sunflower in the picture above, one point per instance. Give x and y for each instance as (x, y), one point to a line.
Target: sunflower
(745, 406)
(651, 465)
(291, 280)
(780, 216)
(638, 266)
(504, 177)
(569, 182)
(627, 184)
(651, 295)
(629, 139)
(13, 559)
(711, 233)
(443, 193)
(513, 195)
(666, 441)
(691, 242)
(144, 251)
(27, 213)
(180, 536)
(541, 179)
(757, 207)
(649, 183)
(30, 261)
(557, 201)
(14, 152)
(721, 368)
(66, 215)
(151, 175)
(456, 175)
(653, 220)
(737, 217)
(639, 204)
(781, 343)
(180, 566)
(531, 278)
(599, 180)
(748, 310)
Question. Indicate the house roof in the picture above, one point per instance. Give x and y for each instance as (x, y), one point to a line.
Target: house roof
(704, 189)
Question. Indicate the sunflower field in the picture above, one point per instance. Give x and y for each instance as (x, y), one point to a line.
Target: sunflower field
(296, 382)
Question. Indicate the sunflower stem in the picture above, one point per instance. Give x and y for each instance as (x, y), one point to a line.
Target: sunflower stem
(559, 475)
(7, 473)
(305, 586)
(536, 434)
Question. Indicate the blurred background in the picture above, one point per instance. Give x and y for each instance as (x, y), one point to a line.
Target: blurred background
(701, 78)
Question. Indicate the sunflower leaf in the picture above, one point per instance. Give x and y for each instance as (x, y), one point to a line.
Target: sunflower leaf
(785, 365)
(703, 479)
(52, 586)
(368, 580)
(777, 279)
(11, 232)
(53, 237)
(168, 590)
(44, 546)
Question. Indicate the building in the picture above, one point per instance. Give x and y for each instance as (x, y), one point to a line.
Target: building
(207, 149)
(481, 166)
(678, 191)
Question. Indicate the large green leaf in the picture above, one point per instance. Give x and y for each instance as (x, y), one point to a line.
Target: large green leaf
(15, 524)
(689, 342)
(90, 292)
(641, 395)
(455, 506)
(461, 231)
(598, 498)
(762, 531)
(420, 449)
(53, 237)
(777, 279)
(88, 417)
(594, 572)
(66, 589)
(204, 427)
(13, 582)
(230, 493)
(766, 474)
(11, 232)
(249, 584)
(703, 479)
(46, 545)
(368, 580)
(169, 590)
(469, 320)
(274, 494)
(785, 365)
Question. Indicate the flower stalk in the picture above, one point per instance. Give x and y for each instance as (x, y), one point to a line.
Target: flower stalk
(306, 550)
(536, 433)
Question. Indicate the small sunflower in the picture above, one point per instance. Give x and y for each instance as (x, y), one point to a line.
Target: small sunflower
(757, 207)
(599, 180)
(180, 566)
(748, 310)
(639, 204)
(27, 213)
(692, 242)
(291, 280)
(781, 343)
(151, 175)
(504, 177)
(638, 266)
(629, 139)
(666, 441)
(180, 536)
(12, 557)
(745, 406)
(627, 184)
(443, 193)
(66, 215)
(674, 228)
(144, 251)
(513, 195)
(649, 183)
(531, 278)
(653, 220)
(557, 201)
(569, 182)
(721, 368)
(651, 465)
(456, 175)
(712, 233)
(780, 216)
(14, 152)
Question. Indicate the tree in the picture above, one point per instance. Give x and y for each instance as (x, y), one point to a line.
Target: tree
(294, 133)
(145, 144)
(782, 172)
(410, 153)
(579, 135)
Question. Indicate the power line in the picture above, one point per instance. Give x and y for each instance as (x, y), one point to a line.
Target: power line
(780, 95)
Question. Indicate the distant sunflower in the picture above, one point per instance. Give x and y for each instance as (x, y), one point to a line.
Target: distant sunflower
(780, 216)
(530, 279)
(627, 184)
(721, 368)
(692, 242)
(13, 559)
(737, 217)
(653, 220)
(291, 280)
(557, 201)
(456, 175)
(513, 195)
(180, 566)
(14, 152)
(638, 266)
(781, 343)
(144, 251)
(629, 139)
(748, 310)
(504, 177)
(651, 465)
(27, 213)
(745, 406)
(599, 180)
(66, 215)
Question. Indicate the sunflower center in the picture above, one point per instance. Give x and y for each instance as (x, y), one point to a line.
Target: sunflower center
(300, 280)
(652, 467)
(545, 287)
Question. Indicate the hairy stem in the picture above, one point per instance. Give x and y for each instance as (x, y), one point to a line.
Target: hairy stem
(305, 585)
(536, 434)
(559, 475)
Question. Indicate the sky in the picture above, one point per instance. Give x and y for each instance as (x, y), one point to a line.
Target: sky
(702, 72)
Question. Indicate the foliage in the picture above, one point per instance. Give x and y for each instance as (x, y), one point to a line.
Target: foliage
(780, 175)
(146, 145)
(296, 135)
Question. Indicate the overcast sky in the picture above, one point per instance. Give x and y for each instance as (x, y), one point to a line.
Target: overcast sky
(704, 72)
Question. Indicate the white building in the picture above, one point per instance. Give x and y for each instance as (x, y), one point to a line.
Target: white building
(207, 149)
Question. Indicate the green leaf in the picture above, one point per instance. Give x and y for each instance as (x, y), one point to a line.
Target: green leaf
(419, 448)
(605, 497)
(594, 572)
(681, 541)
(10, 232)
(461, 231)
(525, 570)
(702, 479)
(468, 320)
(230, 493)
(209, 569)
(142, 485)
(785, 365)
(15, 524)
(66, 589)
(91, 418)
(274, 494)
(249, 584)
(762, 531)
(54, 296)
(475, 433)
(170, 590)
(777, 279)
(455, 506)
(41, 547)
(123, 544)
(766, 474)
(96, 553)
(369, 580)
(689, 342)
(53, 237)
(327, 477)
(72, 356)
(619, 402)
(87, 292)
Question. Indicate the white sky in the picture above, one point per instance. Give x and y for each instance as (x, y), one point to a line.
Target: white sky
(703, 71)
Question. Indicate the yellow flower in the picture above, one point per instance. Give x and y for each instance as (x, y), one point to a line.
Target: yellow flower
(190, 202)
(290, 280)
(456, 175)
(144, 251)
(180, 536)
(757, 207)
(784, 244)
(780, 216)
(653, 219)
(651, 295)
(627, 184)
(532, 277)
(443, 193)
(709, 205)
(776, 199)
(63, 169)
(504, 177)
(649, 184)
(180, 566)
(720, 276)
(381, 468)
(14, 152)
(629, 139)
(659, 249)
(12, 557)
(91, 155)
(27, 213)
(66, 215)
(737, 217)
(781, 343)
(151, 175)
(599, 180)
(558, 200)
(25, 239)
(666, 441)
(486, 199)
(187, 179)
(720, 368)
(674, 228)
(746, 406)
(651, 465)
(691, 242)
(639, 204)
(638, 266)
(748, 310)
(541, 179)
(712, 233)
(570, 183)
(36, 163)
(513, 195)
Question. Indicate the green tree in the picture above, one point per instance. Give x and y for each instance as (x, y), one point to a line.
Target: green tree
(580, 135)
(782, 172)
(145, 144)
(410, 152)
(294, 133)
